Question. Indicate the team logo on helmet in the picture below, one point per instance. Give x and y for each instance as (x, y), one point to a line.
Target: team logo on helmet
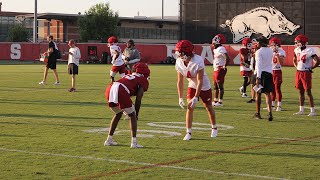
(141, 68)
(184, 49)
(219, 39)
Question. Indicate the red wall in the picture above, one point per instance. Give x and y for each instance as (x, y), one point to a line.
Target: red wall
(150, 53)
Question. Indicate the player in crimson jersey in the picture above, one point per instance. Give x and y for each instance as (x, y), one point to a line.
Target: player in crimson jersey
(278, 57)
(245, 61)
(118, 95)
(302, 60)
(118, 64)
(191, 66)
(220, 62)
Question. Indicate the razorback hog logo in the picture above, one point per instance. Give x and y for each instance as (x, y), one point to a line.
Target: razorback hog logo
(261, 20)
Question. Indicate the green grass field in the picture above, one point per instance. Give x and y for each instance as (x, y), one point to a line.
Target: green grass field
(50, 133)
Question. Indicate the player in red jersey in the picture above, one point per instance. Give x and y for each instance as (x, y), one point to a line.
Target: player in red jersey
(118, 95)
(302, 60)
(245, 61)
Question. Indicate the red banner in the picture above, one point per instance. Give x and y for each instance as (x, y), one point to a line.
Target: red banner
(150, 53)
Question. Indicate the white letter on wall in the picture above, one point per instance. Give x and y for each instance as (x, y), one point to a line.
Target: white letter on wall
(15, 51)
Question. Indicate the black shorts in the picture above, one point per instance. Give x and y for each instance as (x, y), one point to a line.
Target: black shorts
(253, 79)
(52, 64)
(73, 68)
(267, 82)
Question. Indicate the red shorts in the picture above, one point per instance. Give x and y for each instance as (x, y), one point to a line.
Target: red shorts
(246, 73)
(218, 76)
(303, 80)
(121, 69)
(124, 100)
(206, 96)
(277, 76)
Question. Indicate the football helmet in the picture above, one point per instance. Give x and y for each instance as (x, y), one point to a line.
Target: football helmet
(247, 42)
(141, 68)
(184, 49)
(219, 39)
(275, 43)
(112, 40)
(301, 40)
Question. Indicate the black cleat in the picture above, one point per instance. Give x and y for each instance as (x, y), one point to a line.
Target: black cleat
(257, 116)
(270, 117)
(251, 101)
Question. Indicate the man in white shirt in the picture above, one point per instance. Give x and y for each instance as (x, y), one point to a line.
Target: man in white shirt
(302, 60)
(73, 63)
(191, 66)
(263, 57)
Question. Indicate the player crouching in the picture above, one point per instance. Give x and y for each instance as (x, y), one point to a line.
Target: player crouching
(118, 97)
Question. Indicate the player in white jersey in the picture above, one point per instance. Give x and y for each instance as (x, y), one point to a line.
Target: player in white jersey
(278, 57)
(302, 60)
(191, 66)
(117, 62)
(220, 62)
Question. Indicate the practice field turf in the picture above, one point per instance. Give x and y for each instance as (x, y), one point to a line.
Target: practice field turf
(50, 133)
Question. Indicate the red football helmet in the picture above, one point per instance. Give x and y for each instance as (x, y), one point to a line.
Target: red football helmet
(301, 39)
(141, 68)
(247, 42)
(184, 48)
(219, 39)
(112, 39)
(275, 41)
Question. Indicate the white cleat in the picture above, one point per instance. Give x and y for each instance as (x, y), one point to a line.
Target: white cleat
(214, 133)
(57, 83)
(187, 137)
(218, 104)
(136, 145)
(42, 83)
(299, 113)
(244, 95)
(312, 114)
(110, 142)
(278, 108)
(241, 89)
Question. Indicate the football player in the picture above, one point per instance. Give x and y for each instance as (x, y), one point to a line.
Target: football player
(191, 66)
(118, 95)
(245, 61)
(302, 60)
(278, 57)
(220, 62)
(117, 62)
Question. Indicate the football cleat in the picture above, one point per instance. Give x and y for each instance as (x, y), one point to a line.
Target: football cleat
(257, 116)
(57, 83)
(312, 114)
(278, 108)
(272, 107)
(42, 83)
(217, 104)
(187, 137)
(299, 113)
(110, 142)
(270, 117)
(244, 95)
(251, 101)
(214, 132)
(241, 89)
(136, 145)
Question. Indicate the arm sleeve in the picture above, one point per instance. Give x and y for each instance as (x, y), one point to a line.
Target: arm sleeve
(258, 64)
(77, 55)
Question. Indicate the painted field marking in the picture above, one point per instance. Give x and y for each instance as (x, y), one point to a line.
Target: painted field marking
(145, 165)
(204, 156)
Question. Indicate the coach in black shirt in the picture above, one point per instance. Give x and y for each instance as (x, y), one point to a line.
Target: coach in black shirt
(52, 61)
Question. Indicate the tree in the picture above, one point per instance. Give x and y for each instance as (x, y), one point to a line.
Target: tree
(18, 33)
(98, 23)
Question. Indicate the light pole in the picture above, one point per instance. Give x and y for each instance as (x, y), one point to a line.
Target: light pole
(162, 9)
(35, 22)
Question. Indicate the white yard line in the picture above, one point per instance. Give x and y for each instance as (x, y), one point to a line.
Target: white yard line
(139, 163)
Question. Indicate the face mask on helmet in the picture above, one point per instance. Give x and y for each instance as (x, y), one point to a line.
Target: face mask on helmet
(249, 45)
(274, 47)
(298, 44)
(216, 40)
(181, 55)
